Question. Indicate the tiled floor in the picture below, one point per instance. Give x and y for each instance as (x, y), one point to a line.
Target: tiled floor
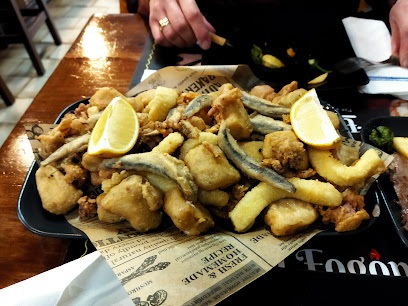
(16, 68)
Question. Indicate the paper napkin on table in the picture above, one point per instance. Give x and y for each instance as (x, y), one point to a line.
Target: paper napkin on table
(86, 281)
(371, 40)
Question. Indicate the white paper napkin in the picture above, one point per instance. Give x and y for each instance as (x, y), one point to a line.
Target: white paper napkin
(86, 281)
(371, 40)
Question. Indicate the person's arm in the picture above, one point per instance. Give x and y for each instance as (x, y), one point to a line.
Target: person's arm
(399, 31)
(186, 26)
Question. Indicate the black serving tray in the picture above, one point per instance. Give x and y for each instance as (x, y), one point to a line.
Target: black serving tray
(399, 126)
(29, 206)
(39, 221)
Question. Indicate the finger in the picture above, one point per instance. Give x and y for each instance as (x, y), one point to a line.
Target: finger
(403, 50)
(395, 38)
(179, 23)
(157, 33)
(197, 22)
(173, 37)
(157, 12)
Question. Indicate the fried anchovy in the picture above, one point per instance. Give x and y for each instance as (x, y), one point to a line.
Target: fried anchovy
(266, 125)
(77, 145)
(174, 114)
(263, 106)
(247, 164)
(197, 104)
(158, 163)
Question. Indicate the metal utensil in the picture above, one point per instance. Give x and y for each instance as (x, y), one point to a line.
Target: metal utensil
(352, 64)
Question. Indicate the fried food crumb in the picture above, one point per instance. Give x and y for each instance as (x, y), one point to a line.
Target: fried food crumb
(87, 208)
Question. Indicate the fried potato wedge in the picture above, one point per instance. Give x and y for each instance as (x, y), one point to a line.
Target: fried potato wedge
(251, 205)
(335, 172)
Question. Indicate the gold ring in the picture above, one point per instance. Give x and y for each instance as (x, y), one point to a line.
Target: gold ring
(163, 22)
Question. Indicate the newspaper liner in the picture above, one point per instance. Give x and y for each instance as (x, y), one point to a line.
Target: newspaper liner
(167, 267)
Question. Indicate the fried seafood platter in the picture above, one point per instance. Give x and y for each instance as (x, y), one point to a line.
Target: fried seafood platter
(231, 157)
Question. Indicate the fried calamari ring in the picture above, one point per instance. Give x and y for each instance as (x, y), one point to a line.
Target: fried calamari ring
(335, 172)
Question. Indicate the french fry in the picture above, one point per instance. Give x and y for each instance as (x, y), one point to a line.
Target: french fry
(215, 197)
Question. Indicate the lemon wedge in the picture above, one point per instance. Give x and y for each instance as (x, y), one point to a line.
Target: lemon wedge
(116, 131)
(311, 123)
(401, 145)
(319, 79)
(271, 61)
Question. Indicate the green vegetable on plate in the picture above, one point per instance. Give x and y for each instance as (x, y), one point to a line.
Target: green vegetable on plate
(256, 54)
(382, 137)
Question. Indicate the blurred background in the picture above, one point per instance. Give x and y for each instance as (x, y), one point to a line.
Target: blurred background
(17, 69)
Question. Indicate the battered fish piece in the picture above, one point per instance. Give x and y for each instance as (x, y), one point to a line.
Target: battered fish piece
(283, 151)
(229, 108)
(263, 91)
(127, 199)
(104, 96)
(57, 196)
(290, 216)
(105, 215)
(191, 218)
(210, 168)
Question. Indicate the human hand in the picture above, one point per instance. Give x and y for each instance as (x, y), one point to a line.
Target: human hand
(399, 31)
(187, 25)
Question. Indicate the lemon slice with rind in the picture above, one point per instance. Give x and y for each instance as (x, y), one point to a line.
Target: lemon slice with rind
(311, 123)
(116, 131)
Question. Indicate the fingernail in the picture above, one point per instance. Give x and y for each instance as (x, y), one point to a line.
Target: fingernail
(205, 44)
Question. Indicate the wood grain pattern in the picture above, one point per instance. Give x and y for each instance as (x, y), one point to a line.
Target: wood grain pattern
(105, 54)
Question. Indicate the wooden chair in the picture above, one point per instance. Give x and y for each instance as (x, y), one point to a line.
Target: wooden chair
(19, 23)
(5, 93)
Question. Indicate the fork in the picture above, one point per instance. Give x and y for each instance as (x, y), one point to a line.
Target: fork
(352, 64)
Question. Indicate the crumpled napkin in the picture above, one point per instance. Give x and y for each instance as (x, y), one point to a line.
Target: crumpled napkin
(85, 281)
(371, 40)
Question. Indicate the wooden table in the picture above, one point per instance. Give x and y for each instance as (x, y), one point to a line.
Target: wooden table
(105, 54)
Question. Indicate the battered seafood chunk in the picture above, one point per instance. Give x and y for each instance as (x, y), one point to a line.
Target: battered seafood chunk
(253, 149)
(349, 215)
(264, 92)
(191, 218)
(57, 196)
(210, 168)
(141, 100)
(229, 108)
(283, 151)
(105, 215)
(290, 216)
(103, 97)
(87, 208)
(127, 199)
(163, 100)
